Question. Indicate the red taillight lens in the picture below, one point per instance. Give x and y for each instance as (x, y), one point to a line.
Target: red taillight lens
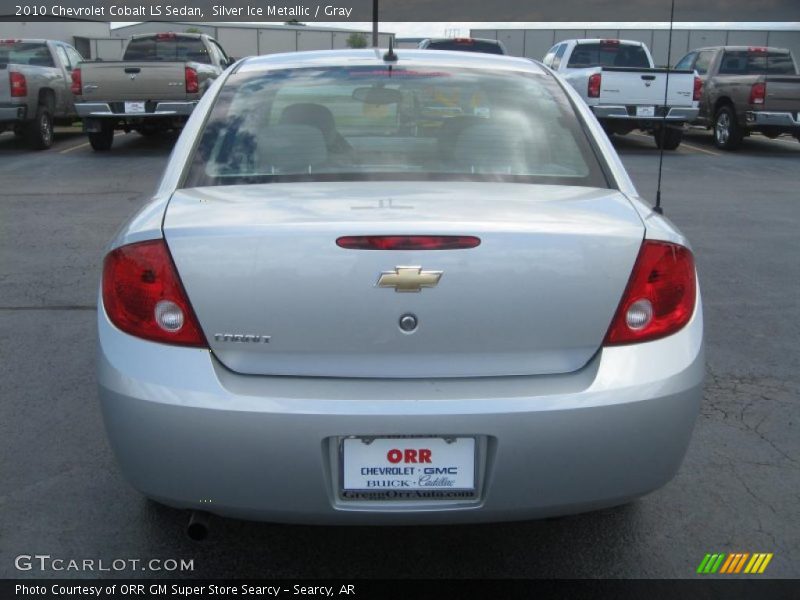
(758, 93)
(698, 89)
(408, 242)
(18, 83)
(192, 84)
(660, 296)
(166, 35)
(143, 295)
(77, 82)
(594, 85)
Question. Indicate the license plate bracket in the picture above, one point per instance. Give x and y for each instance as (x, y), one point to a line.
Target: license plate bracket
(645, 111)
(408, 467)
(135, 108)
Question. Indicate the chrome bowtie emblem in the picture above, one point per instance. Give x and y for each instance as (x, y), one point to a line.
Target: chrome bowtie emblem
(409, 279)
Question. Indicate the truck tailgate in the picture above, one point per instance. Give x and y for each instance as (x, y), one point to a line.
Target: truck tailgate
(121, 80)
(646, 86)
(783, 93)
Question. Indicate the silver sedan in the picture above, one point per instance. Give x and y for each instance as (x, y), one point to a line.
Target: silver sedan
(374, 288)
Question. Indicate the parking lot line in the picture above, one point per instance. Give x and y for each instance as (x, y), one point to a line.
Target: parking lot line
(71, 148)
(699, 149)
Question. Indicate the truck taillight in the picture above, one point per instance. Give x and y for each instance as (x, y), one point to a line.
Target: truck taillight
(18, 83)
(660, 297)
(192, 83)
(758, 93)
(143, 295)
(698, 89)
(594, 85)
(77, 82)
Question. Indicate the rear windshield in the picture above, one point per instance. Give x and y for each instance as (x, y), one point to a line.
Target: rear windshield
(384, 123)
(25, 53)
(605, 54)
(167, 48)
(746, 62)
(466, 45)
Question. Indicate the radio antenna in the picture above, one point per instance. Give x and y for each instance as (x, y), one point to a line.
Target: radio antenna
(662, 131)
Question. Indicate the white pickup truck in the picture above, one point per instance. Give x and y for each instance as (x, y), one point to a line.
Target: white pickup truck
(624, 90)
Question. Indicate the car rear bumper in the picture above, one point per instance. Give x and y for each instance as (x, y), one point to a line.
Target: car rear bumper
(673, 114)
(773, 119)
(190, 433)
(105, 110)
(12, 113)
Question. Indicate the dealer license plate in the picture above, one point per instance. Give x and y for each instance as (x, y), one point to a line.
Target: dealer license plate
(408, 464)
(134, 107)
(645, 111)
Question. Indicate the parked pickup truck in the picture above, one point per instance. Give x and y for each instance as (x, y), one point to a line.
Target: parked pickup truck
(624, 90)
(155, 86)
(746, 89)
(35, 88)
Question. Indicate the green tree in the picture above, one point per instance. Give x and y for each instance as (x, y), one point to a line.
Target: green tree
(192, 30)
(356, 40)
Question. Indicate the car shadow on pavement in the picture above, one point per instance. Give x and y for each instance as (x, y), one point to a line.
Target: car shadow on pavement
(544, 548)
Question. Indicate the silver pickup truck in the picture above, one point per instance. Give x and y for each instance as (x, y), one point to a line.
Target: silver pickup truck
(619, 82)
(155, 86)
(35, 88)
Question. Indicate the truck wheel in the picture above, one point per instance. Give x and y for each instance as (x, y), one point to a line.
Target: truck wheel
(103, 139)
(727, 133)
(669, 138)
(39, 132)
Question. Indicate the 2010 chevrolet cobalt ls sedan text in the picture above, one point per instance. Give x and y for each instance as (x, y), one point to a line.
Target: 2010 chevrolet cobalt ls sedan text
(375, 288)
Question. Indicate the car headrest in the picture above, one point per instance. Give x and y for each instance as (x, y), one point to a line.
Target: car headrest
(290, 148)
(491, 146)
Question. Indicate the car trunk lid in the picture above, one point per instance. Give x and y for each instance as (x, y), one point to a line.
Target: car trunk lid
(275, 295)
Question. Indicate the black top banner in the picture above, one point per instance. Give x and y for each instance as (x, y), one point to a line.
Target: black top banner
(403, 10)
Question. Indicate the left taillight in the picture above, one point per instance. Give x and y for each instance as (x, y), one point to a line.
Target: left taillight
(18, 84)
(758, 93)
(660, 297)
(77, 82)
(143, 295)
(593, 88)
(192, 83)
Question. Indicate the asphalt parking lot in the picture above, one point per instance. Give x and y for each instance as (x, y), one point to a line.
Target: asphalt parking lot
(738, 490)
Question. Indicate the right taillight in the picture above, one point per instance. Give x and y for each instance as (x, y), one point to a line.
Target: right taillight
(18, 84)
(593, 90)
(758, 92)
(143, 295)
(192, 83)
(660, 297)
(77, 82)
(698, 89)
